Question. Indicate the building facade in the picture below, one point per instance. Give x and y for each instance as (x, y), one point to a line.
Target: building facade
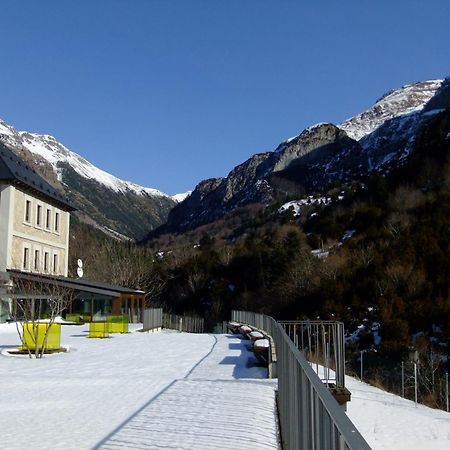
(34, 248)
(34, 232)
(34, 223)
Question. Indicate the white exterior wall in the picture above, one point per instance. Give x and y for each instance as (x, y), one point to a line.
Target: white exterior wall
(16, 233)
(6, 224)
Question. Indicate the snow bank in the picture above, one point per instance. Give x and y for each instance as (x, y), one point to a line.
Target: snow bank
(261, 344)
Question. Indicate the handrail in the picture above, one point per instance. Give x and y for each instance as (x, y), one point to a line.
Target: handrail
(321, 342)
(310, 418)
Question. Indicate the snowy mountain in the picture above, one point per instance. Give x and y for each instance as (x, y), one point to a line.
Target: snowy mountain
(120, 208)
(321, 155)
(180, 197)
(408, 99)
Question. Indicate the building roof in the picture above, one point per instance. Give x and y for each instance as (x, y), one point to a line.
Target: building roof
(78, 284)
(16, 171)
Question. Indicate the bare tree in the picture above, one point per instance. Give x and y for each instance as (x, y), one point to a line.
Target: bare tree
(34, 300)
(155, 284)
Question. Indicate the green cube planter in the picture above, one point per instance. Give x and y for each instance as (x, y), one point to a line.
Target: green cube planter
(98, 330)
(73, 318)
(34, 335)
(117, 324)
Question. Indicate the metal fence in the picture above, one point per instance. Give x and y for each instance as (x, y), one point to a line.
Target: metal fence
(188, 324)
(310, 418)
(322, 343)
(153, 318)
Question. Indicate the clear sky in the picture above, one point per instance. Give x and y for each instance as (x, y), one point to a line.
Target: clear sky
(166, 93)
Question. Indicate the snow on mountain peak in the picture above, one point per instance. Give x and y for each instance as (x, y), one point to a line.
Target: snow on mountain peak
(56, 154)
(6, 129)
(180, 197)
(405, 100)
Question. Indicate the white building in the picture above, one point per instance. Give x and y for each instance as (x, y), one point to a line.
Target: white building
(34, 222)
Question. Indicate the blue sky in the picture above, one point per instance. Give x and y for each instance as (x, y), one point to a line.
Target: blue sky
(166, 93)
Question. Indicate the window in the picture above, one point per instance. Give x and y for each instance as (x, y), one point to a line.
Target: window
(46, 261)
(48, 218)
(55, 263)
(37, 260)
(28, 211)
(26, 258)
(39, 216)
(57, 222)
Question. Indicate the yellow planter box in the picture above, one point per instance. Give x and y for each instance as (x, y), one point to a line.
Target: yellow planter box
(34, 335)
(98, 330)
(117, 324)
(73, 318)
(86, 317)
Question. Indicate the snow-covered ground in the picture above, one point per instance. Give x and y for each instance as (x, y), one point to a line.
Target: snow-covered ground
(139, 390)
(390, 422)
(174, 391)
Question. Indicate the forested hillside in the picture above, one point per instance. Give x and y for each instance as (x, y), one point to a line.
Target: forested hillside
(373, 253)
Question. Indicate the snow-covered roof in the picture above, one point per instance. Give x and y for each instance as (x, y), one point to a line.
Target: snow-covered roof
(78, 284)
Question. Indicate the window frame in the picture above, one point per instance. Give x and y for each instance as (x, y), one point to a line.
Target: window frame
(57, 222)
(28, 201)
(55, 258)
(48, 219)
(37, 267)
(39, 218)
(46, 263)
(26, 253)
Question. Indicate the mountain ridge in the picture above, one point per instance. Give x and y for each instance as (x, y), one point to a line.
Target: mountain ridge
(320, 155)
(121, 209)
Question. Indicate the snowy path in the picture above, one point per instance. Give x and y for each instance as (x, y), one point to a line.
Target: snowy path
(137, 391)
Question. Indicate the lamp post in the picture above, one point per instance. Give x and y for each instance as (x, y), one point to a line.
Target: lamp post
(414, 358)
(403, 379)
(362, 364)
(446, 389)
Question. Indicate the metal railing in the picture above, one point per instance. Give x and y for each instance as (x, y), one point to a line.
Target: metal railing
(153, 319)
(322, 343)
(310, 418)
(188, 324)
